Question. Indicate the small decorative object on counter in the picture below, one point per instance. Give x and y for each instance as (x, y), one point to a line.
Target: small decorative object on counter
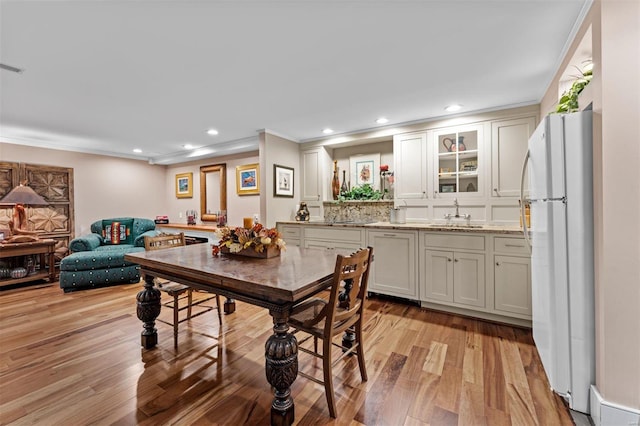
(256, 241)
(247, 222)
(162, 219)
(335, 182)
(222, 218)
(192, 215)
(385, 177)
(303, 213)
(344, 188)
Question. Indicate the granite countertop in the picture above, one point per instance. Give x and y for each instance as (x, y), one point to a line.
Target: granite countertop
(475, 229)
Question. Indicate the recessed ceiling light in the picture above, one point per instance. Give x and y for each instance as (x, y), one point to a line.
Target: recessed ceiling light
(453, 108)
(212, 132)
(188, 146)
(382, 120)
(327, 131)
(137, 150)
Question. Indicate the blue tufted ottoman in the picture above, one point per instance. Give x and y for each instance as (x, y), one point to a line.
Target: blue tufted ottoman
(98, 268)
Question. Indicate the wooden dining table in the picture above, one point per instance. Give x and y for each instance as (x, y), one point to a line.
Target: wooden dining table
(276, 284)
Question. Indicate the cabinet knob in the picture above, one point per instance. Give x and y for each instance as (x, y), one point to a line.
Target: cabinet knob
(455, 260)
(497, 263)
(448, 259)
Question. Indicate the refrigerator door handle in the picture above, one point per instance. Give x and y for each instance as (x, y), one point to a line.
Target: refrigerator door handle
(525, 231)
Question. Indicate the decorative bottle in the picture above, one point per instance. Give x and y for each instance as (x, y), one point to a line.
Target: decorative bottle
(344, 188)
(335, 183)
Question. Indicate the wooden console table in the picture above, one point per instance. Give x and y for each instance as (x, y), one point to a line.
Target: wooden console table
(43, 248)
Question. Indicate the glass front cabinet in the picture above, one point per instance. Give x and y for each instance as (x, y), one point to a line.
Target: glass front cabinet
(458, 155)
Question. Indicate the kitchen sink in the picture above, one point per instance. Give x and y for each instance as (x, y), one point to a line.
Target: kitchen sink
(456, 225)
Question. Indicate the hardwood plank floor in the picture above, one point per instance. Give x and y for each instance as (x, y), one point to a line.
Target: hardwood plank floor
(76, 359)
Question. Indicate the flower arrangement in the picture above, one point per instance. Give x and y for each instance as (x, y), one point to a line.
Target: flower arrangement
(259, 238)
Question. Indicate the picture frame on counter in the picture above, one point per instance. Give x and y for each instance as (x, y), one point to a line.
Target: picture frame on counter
(283, 181)
(365, 169)
(184, 185)
(248, 179)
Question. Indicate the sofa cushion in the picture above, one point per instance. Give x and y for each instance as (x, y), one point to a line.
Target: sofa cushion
(104, 257)
(117, 231)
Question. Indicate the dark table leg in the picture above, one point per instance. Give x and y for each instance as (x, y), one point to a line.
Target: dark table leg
(229, 306)
(281, 362)
(148, 310)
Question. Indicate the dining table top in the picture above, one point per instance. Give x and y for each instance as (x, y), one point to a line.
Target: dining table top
(283, 280)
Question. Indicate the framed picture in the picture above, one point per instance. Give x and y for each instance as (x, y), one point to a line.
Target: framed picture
(248, 179)
(282, 181)
(365, 169)
(184, 185)
(447, 187)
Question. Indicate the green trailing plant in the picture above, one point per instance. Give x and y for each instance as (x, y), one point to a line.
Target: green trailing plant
(569, 100)
(364, 192)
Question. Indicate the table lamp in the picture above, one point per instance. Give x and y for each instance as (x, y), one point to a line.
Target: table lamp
(20, 196)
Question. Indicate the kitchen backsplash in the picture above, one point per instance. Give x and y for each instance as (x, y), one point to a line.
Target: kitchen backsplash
(357, 211)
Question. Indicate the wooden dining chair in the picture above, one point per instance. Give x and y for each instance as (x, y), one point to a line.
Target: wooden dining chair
(325, 319)
(177, 291)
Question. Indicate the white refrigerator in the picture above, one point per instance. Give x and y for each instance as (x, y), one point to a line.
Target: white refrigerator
(560, 171)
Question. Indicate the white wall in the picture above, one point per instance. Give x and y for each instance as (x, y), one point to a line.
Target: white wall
(104, 186)
(237, 206)
(283, 152)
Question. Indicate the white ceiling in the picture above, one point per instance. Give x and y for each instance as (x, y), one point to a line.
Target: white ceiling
(107, 77)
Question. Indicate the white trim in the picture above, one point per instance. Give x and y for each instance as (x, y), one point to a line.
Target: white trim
(605, 413)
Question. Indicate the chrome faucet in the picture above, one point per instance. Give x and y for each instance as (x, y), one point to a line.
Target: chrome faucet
(457, 215)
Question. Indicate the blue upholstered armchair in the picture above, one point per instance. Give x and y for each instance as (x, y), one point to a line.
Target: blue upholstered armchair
(97, 259)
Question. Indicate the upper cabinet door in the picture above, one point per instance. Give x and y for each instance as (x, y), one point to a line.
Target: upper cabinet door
(509, 142)
(410, 166)
(458, 159)
(311, 176)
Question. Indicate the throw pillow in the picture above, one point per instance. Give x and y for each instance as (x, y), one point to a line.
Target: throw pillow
(117, 231)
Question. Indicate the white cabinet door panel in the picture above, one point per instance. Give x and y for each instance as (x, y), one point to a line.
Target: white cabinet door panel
(438, 275)
(394, 270)
(469, 279)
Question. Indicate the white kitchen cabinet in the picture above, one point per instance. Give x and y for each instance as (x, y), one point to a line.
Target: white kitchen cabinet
(509, 143)
(411, 165)
(329, 237)
(290, 234)
(459, 165)
(512, 276)
(469, 279)
(436, 275)
(394, 271)
(315, 181)
(452, 269)
(456, 277)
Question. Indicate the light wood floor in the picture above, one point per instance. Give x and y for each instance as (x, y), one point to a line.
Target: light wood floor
(75, 359)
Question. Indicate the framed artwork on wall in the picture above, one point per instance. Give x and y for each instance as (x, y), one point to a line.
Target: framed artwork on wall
(184, 185)
(365, 169)
(282, 181)
(248, 179)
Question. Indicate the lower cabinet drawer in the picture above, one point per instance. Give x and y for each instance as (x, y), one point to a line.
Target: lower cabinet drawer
(510, 245)
(330, 245)
(354, 235)
(452, 241)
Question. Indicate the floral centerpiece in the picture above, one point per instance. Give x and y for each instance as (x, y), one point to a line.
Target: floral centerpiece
(257, 241)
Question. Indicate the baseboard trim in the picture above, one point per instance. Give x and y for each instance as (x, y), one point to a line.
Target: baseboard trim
(605, 413)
